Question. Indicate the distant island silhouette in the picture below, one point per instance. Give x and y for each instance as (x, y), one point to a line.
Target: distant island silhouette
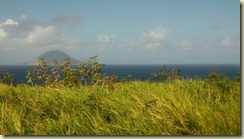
(50, 55)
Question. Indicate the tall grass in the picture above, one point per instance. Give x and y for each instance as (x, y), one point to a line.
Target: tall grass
(180, 107)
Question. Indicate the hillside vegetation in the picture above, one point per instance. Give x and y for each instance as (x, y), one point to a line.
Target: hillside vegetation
(180, 107)
(60, 100)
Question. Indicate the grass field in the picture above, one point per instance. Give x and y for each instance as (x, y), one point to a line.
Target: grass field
(181, 107)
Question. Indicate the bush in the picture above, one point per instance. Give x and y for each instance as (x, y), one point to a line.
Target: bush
(87, 73)
(44, 74)
(218, 80)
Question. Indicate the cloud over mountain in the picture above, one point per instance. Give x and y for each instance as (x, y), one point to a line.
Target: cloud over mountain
(28, 33)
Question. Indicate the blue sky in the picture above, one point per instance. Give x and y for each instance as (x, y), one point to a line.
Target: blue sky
(122, 31)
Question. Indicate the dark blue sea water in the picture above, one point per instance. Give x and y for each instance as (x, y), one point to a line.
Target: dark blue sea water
(142, 72)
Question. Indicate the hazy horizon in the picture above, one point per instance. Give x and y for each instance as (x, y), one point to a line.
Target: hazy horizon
(122, 31)
(23, 63)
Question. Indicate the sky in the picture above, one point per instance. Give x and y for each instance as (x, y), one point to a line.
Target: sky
(122, 31)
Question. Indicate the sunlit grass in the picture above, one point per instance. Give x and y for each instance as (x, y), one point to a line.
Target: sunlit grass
(181, 107)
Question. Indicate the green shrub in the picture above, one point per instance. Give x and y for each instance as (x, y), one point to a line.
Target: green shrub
(44, 74)
(217, 80)
(87, 73)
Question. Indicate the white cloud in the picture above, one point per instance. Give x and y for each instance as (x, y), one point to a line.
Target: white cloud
(227, 44)
(28, 35)
(3, 34)
(154, 38)
(4, 26)
(41, 34)
(230, 42)
(8, 22)
(156, 35)
(38, 37)
(32, 35)
(105, 41)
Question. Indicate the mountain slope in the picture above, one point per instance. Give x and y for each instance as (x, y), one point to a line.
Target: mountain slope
(50, 55)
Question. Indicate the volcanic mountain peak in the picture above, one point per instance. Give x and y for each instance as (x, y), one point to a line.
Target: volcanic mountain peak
(50, 55)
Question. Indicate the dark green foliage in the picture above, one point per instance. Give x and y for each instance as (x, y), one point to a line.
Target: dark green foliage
(213, 76)
(217, 80)
(165, 74)
(6, 77)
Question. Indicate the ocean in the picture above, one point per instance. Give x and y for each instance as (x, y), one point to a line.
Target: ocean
(142, 72)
